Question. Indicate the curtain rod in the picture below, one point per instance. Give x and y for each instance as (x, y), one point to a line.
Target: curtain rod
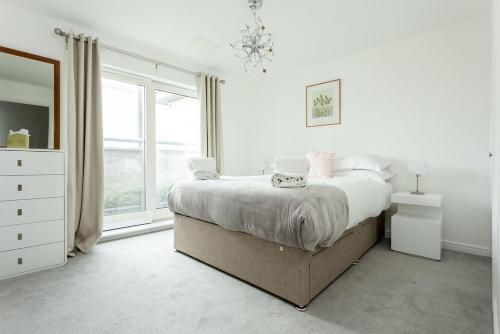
(62, 33)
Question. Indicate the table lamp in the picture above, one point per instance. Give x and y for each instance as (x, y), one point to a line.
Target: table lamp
(418, 168)
(262, 167)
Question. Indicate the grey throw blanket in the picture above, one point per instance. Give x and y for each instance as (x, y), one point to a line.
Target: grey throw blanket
(299, 217)
(288, 181)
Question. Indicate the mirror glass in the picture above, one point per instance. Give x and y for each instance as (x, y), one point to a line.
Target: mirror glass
(27, 99)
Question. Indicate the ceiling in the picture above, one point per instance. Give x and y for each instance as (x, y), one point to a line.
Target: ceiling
(306, 32)
(26, 71)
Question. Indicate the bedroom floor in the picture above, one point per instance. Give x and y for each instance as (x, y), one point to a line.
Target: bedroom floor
(139, 285)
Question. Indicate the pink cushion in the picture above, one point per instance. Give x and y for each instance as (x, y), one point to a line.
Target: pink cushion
(321, 164)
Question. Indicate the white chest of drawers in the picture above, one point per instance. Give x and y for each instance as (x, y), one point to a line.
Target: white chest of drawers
(32, 211)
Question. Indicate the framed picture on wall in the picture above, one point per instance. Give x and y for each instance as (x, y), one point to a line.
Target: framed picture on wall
(323, 105)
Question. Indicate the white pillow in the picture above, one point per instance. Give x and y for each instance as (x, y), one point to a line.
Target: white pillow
(298, 165)
(363, 161)
(207, 164)
(384, 175)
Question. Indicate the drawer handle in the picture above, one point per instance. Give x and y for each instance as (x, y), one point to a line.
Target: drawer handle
(19, 163)
(19, 187)
(19, 212)
(19, 236)
(19, 260)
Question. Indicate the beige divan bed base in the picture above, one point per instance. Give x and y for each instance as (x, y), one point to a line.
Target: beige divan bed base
(288, 272)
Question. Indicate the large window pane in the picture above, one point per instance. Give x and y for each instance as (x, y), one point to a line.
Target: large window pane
(124, 176)
(177, 138)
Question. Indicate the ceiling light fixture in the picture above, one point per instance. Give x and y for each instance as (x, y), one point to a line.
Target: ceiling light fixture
(255, 46)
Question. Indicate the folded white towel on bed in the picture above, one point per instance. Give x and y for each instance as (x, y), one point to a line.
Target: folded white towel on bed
(202, 168)
(200, 174)
(201, 164)
(280, 180)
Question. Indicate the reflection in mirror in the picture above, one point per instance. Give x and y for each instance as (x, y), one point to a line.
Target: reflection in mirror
(27, 99)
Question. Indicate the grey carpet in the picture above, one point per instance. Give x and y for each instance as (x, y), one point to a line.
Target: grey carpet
(139, 285)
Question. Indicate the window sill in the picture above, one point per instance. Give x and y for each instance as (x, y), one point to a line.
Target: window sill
(136, 230)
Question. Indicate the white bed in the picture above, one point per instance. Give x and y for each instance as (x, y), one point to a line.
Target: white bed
(292, 273)
(367, 193)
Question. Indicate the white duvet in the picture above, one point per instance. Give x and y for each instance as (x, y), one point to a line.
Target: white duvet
(367, 193)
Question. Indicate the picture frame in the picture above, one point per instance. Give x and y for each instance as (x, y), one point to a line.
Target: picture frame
(323, 103)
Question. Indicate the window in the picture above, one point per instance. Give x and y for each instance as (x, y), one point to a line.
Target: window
(150, 129)
(177, 138)
(123, 128)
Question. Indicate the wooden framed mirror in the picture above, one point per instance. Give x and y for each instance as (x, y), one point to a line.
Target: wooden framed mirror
(30, 98)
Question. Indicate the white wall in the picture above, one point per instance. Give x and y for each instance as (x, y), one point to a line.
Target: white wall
(239, 105)
(32, 36)
(35, 35)
(421, 98)
(424, 97)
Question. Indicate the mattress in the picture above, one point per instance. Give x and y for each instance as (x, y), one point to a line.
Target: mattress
(315, 216)
(367, 193)
(305, 218)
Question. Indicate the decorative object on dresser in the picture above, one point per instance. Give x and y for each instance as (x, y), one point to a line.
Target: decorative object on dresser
(416, 227)
(32, 211)
(323, 105)
(18, 139)
(417, 168)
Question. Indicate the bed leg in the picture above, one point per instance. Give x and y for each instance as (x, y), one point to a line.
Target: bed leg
(301, 309)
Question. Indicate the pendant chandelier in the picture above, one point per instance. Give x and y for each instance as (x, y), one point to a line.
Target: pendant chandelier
(255, 47)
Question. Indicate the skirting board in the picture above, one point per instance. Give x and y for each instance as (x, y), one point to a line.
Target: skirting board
(136, 230)
(458, 246)
(465, 248)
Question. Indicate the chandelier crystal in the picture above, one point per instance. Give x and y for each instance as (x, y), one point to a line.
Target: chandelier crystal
(256, 45)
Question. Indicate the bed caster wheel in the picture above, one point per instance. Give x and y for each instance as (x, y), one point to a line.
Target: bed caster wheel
(301, 309)
(356, 262)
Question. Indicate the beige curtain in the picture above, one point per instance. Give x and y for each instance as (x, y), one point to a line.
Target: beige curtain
(211, 121)
(85, 145)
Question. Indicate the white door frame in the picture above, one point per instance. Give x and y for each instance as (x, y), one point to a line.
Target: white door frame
(159, 214)
(495, 149)
(150, 214)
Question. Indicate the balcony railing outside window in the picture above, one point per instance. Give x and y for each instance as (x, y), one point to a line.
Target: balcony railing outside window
(124, 176)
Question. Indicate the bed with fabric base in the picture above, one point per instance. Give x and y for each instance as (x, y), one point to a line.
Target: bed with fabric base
(291, 273)
(290, 242)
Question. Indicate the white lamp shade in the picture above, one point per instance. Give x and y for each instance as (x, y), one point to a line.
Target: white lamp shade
(417, 167)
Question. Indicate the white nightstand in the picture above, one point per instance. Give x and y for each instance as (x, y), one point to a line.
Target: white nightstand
(416, 227)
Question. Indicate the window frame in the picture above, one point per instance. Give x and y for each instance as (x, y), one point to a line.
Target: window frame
(151, 213)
